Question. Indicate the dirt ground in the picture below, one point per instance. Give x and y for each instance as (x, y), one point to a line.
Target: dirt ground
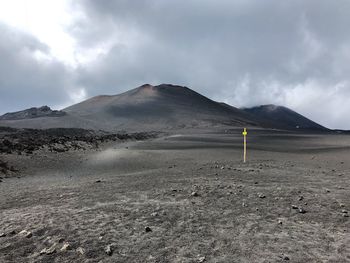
(181, 198)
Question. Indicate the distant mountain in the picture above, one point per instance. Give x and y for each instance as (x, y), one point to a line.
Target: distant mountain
(162, 107)
(43, 111)
(282, 118)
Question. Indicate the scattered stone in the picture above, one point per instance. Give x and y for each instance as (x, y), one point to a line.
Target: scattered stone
(48, 251)
(2, 235)
(345, 215)
(80, 250)
(341, 205)
(261, 196)
(26, 233)
(344, 211)
(98, 181)
(66, 246)
(148, 229)
(154, 214)
(301, 210)
(195, 194)
(280, 222)
(294, 207)
(201, 259)
(12, 232)
(301, 198)
(109, 250)
(285, 258)
(244, 205)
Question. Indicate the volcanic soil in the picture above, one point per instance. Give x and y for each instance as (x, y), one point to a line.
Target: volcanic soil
(181, 198)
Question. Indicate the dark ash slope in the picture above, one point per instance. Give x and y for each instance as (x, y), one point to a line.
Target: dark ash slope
(280, 117)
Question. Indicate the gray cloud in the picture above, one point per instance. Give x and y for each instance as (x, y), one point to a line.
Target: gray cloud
(28, 75)
(244, 52)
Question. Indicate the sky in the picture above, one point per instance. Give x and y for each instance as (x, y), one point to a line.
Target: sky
(294, 53)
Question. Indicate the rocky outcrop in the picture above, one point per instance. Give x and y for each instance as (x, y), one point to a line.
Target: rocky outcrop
(34, 112)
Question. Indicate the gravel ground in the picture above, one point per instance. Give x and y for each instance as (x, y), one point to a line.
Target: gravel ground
(181, 198)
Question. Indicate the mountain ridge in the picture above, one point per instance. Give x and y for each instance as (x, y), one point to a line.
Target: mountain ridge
(160, 107)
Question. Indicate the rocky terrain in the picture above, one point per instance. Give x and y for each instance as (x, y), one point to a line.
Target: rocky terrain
(34, 112)
(28, 141)
(181, 198)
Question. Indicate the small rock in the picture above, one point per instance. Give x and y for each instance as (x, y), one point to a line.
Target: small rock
(66, 246)
(48, 251)
(60, 240)
(341, 205)
(98, 181)
(194, 194)
(344, 211)
(285, 258)
(148, 229)
(26, 234)
(345, 215)
(2, 234)
(81, 250)
(12, 232)
(201, 259)
(244, 205)
(261, 196)
(301, 198)
(294, 207)
(109, 250)
(301, 210)
(154, 214)
(280, 222)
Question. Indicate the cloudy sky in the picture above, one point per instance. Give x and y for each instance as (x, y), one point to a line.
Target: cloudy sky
(244, 52)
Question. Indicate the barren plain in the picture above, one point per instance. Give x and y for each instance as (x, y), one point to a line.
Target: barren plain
(181, 198)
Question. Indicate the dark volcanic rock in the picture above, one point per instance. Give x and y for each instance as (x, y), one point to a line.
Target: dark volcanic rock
(59, 139)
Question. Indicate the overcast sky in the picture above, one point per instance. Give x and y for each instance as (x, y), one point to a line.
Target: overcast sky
(244, 52)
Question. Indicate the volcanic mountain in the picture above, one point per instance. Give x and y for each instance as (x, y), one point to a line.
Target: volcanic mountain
(147, 107)
(280, 117)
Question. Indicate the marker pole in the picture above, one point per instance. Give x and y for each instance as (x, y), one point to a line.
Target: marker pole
(245, 144)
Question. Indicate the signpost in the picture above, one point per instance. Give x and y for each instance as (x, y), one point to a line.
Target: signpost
(245, 144)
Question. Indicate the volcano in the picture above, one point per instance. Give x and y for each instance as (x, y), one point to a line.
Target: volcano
(163, 107)
(147, 107)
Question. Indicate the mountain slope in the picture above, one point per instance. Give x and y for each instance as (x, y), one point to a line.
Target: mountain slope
(147, 107)
(282, 118)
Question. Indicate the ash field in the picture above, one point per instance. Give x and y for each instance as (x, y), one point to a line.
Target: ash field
(171, 186)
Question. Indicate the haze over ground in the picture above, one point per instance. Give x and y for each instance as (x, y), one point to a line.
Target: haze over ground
(245, 53)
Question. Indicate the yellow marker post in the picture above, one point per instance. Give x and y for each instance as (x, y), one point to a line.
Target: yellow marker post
(245, 144)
